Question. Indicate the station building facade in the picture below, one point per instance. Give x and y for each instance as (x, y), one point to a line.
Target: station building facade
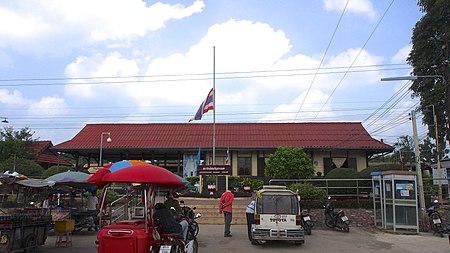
(179, 147)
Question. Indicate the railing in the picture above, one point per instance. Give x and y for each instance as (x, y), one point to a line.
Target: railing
(117, 213)
(358, 189)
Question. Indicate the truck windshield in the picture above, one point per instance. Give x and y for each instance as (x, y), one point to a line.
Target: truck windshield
(278, 204)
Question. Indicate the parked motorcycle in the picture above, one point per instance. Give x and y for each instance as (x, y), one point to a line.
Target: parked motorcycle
(335, 219)
(435, 219)
(307, 222)
(84, 220)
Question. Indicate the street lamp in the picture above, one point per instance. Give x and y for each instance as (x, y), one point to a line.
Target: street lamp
(411, 78)
(100, 164)
(416, 151)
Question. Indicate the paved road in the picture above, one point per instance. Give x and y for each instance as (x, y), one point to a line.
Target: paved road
(357, 241)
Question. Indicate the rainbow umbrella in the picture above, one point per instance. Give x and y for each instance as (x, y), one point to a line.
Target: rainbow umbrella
(112, 167)
(124, 163)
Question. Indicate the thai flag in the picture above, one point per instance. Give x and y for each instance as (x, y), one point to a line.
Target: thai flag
(227, 157)
(207, 105)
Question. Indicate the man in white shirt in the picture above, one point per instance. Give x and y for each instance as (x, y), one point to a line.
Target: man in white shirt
(250, 213)
(92, 206)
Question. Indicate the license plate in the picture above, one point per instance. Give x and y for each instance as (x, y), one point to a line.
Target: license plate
(437, 221)
(306, 218)
(165, 248)
(344, 218)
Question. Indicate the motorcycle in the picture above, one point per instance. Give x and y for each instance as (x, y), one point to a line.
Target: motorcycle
(307, 222)
(189, 214)
(335, 219)
(84, 220)
(435, 219)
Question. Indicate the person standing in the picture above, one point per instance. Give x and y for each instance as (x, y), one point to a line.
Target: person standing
(250, 213)
(225, 207)
(92, 206)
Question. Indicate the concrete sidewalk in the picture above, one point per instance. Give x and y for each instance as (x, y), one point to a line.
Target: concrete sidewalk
(357, 241)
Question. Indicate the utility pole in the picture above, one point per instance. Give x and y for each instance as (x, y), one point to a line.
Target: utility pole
(418, 170)
(438, 156)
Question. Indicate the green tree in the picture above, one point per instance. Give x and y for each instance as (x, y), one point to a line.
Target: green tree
(289, 163)
(430, 57)
(427, 150)
(14, 143)
(405, 150)
(23, 166)
(55, 170)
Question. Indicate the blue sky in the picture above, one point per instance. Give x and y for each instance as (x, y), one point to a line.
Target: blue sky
(64, 64)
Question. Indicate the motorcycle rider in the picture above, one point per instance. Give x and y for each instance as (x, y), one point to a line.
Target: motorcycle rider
(171, 202)
(168, 223)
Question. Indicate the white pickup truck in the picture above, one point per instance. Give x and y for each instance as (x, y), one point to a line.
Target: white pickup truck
(277, 216)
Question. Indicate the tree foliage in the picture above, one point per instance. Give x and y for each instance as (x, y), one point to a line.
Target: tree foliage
(290, 163)
(23, 166)
(430, 57)
(14, 143)
(55, 170)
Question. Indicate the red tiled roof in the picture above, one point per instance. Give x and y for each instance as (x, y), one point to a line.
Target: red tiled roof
(340, 135)
(44, 155)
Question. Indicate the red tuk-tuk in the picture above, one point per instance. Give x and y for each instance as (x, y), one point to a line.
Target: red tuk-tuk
(137, 232)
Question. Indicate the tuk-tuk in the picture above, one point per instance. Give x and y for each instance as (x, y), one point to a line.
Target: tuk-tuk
(277, 216)
(137, 233)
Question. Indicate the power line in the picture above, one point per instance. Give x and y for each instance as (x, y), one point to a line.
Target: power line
(354, 60)
(179, 77)
(322, 60)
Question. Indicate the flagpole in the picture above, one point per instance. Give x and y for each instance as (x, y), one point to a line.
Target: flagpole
(214, 104)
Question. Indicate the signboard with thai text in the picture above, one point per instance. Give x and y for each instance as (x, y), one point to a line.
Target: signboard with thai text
(214, 170)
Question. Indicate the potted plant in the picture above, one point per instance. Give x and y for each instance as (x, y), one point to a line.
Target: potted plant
(233, 181)
(246, 184)
(211, 183)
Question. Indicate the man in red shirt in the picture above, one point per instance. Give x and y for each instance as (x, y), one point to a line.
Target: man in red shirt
(225, 206)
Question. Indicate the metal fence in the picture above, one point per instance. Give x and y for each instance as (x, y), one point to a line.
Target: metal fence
(357, 189)
(361, 189)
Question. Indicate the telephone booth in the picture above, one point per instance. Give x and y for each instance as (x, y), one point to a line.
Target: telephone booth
(395, 200)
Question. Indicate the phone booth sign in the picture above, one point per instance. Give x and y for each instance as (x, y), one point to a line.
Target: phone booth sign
(395, 200)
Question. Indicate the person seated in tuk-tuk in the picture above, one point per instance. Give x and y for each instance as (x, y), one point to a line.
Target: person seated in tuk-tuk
(172, 202)
(169, 225)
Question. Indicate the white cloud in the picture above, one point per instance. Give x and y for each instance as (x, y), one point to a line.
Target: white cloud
(12, 99)
(112, 65)
(47, 106)
(50, 26)
(240, 46)
(360, 7)
(402, 54)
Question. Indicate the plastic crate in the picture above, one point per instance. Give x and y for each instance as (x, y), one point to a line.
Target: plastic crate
(64, 226)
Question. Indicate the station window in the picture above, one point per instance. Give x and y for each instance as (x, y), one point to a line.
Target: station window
(245, 165)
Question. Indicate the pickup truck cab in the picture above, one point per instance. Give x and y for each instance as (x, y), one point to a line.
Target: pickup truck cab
(277, 216)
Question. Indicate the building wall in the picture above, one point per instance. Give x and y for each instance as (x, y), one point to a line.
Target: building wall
(317, 159)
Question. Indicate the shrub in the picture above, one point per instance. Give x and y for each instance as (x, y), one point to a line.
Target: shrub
(341, 186)
(192, 179)
(256, 184)
(365, 173)
(307, 190)
(53, 170)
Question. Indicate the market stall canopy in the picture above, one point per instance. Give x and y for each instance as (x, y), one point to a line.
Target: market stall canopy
(141, 173)
(36, 183)
(72, 178)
